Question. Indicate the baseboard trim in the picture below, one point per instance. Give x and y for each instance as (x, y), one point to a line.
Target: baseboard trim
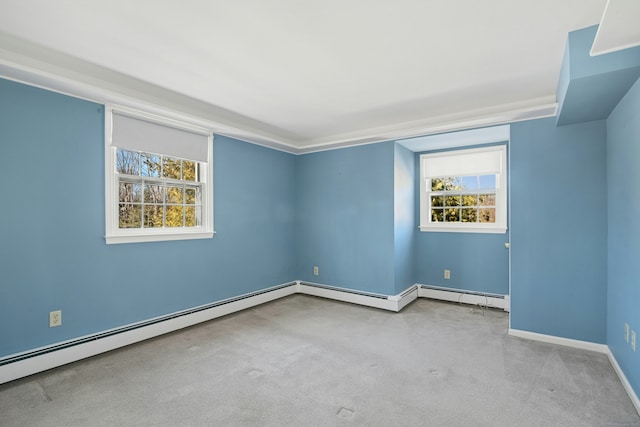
(567, 342)
(623, 379)
(60, 354)
(463, 297)
(392, 303)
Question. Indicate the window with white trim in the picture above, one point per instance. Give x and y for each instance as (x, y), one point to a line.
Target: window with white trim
(464, 190)
(159, 180)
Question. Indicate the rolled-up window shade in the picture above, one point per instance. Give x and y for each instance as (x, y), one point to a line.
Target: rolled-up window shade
(135, 134)
(478, 163)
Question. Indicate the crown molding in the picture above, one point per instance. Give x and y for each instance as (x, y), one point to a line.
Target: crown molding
(37, 66)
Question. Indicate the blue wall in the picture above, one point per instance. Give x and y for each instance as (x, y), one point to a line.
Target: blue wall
(52, 249)
(478, 261)
(405, 224)
(558, 229)
(623, 180)
(345, 217)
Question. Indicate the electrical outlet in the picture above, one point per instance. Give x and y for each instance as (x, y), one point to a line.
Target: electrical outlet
(447, 274)
(55, 318)
(316, 270)
(626, 332)
(633, 340)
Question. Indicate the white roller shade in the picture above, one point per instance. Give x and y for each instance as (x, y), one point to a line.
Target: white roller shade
(135, 134)
(465, 162)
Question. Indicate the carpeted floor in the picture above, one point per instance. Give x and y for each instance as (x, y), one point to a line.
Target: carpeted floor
(305, 361)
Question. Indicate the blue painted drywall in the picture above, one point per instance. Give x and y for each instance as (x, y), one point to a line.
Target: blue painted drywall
(52, 249)
(405, 225)
(558, 229)
(623, 185)
(345, 217)
(478, 262)
(591, 86)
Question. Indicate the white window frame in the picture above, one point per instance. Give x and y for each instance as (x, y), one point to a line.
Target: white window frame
(499, 227)
(114, 234)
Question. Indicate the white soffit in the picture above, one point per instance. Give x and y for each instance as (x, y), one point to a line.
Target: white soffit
(619, 28)
(463, 138)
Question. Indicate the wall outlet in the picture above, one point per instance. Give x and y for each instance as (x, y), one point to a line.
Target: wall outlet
(626, 332)
(633, 340)
(55, 318)
(447, 274)
(316, 270)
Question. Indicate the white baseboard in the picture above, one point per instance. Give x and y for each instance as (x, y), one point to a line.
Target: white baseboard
(623, 379)
(385, 302)
(463, 297)
(31, 365)
(66, 352)
(567, 342)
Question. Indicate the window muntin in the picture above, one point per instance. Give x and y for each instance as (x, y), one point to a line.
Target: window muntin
(156, 195)
(464, 190)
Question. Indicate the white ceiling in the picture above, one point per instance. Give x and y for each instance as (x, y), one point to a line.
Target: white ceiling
(307, 74)
(619, 28)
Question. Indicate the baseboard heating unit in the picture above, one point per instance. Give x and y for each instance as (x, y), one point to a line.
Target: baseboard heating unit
(464, 297)
(44, 358)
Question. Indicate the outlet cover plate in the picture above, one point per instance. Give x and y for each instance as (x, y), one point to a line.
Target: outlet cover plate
(55, 318)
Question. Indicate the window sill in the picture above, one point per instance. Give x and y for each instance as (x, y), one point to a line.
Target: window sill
(140, 238)
(454, 229)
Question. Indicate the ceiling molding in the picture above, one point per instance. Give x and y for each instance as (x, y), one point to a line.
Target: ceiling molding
(437, 125)
(34, 65)
(30, 64)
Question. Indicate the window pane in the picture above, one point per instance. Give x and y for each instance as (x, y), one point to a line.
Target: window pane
(437, 215)
(189, 170)
(453, 183)
(174, 216)
(487, 215)
(452, 215)
(171, 168)
(468, 214)
(437, 184)
(175, 195)
(487, 200)
(153, 193)
(150, 165)
(487, 181)
(130, 215)
(190, 217)
(436, 201)
(130, 192)
(190, 196)
(127, 162)
(470, 200)
(470, 182)
(452, 200)
(153, 216)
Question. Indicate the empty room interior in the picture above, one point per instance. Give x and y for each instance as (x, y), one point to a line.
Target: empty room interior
(320, 213)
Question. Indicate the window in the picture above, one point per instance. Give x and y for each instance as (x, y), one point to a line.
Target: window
(464, 190)
(158, 179)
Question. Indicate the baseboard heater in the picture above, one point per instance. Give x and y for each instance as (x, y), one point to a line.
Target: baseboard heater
(465, 297)
(386, 302)
(133, 333)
